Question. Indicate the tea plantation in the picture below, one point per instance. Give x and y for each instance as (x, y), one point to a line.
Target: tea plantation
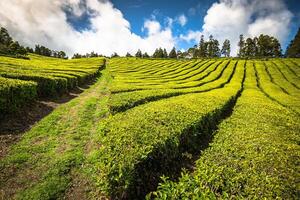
(155, 129)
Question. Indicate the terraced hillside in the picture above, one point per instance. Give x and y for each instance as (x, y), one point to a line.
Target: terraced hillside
(25, 80)
(233, 125)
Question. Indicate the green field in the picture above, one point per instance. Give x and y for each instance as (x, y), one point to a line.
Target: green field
(155, 129)
(22, 80)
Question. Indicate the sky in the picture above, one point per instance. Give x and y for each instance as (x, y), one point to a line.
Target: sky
(121, 26)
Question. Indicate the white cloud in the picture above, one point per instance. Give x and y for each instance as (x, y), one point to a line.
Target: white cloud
(152, 26)
(169, 21)
(227, 19)
(182, 20)
(45, 22)
(191, 36)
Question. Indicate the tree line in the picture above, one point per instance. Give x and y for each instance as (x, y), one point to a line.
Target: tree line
(158, 53)
(257, 47)
(87, 55)
(209, 49)
(10, 47)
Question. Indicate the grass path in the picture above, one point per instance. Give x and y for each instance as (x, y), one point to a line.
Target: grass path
(44, 164)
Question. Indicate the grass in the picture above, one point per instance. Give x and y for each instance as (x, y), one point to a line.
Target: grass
(253, 155)
(234, 126)
(24, 80)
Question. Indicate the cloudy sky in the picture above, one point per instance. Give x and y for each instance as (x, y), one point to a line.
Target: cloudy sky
(124, 26)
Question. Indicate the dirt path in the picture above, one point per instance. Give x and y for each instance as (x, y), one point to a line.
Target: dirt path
(12, 126)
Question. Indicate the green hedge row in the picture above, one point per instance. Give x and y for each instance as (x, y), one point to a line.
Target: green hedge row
(42, 77)
(122, 101)
(254, 155)
(15, 93)
(139, 145)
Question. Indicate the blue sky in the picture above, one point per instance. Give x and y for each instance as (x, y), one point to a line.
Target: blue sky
(137, 11)
(108, 26)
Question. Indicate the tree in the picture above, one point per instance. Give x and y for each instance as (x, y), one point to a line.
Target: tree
(159, 53)
(241, 45)
(216, 49)
(145, 55)
(293, 49)
(277, 51)
(268, 46)
(249, 48)
(93, 54)
(128, 54)
(139, 54)
(8, 46)
(213, 47)
(202, 47)
(165, 54)
(114, 55)
(76, 55)
(5, 38)
(256, 49)
(37, 49)
(173, 53)
(191, 52)
(262, 46)
(226, 48)
(29, 50)
(62, 54)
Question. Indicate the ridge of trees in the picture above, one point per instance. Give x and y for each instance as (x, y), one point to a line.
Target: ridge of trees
(44, 51)
(10, 47)
(257, 47)
(262, 46)
(293, 49)
(87, 55)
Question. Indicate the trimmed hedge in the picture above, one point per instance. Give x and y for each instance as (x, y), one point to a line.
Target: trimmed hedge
(15, 93)
(254, 155)
(139, 145)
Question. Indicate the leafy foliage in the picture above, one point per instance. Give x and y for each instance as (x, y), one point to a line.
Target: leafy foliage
(293, 50)
(8, 46)
(149, 118)
(42, 77)
(254, 153)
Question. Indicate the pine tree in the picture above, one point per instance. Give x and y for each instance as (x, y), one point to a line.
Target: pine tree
(241, 45)
(202, 47)
(165, 54)
(160, 53)
(249, 48)
(173, 53)
(5, 38)
(128, 54)
(145, 55)
(276, 48)
(213, 49)
(155, 53)
(210, 46)
(138, 54)
(226, 48)
(293, 50)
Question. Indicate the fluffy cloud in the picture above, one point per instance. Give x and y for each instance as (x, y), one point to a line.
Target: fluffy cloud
(182, 20)
(191, 36)
(46, 22)
(227, 19)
